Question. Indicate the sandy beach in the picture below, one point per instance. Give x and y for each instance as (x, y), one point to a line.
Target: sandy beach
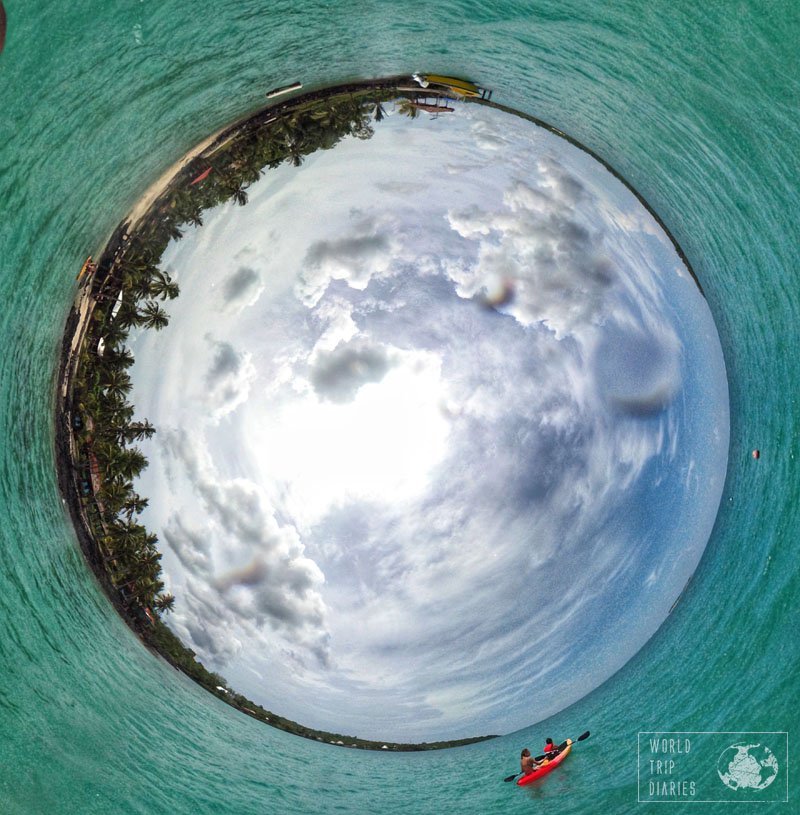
(221, 136)
(162, 183)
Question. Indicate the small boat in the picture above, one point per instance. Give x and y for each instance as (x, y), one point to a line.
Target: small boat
(295, 86)
(546, 767)
(87, 265)
(202, 177)
(461, 87)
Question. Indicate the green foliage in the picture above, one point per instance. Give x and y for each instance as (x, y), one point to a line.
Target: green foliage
(165, 602)
(153, 316)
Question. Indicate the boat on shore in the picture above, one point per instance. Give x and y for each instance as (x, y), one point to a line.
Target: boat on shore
(88, 266)
(295, 86)
(460, 87)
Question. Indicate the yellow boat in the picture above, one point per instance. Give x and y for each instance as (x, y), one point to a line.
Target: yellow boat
(460, 86)
(85, 268)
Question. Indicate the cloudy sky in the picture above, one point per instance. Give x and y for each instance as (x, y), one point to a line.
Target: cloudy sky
(442, 430)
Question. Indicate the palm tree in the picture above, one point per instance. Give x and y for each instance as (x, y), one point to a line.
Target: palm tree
(134, 505)
(408, 108)
(150, 540)
(363, 130)
(117, 357)
(249, 174)
(131, 462)
(136, 431)
(143, 583)
(239, 196)
(140, 263)
(165, 602)
(149, 562)
(187, 208)
(112, 412)
(378, 112)
(138, 285)
(153, 316)
(113, 333)
(172, 229)
(128, 315)
(284, 130)
(141, 255)
(146, 587)
(127, 537)
(194, 216)
(120, 463)
(114, 493)
(163, 286)
(116, 382)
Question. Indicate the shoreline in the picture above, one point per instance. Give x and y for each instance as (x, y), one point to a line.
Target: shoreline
(164, 182)
(70, 473)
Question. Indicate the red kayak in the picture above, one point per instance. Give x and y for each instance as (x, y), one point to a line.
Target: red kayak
(546, 767)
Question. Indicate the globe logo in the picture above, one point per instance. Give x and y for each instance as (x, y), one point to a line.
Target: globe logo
(747, 766)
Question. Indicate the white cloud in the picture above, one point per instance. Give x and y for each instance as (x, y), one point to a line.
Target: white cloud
(276, 584)
(191, 546)
(489, 137)
(208, 624)
(355, 258)
(335, 313)
(558, 267)
(228, 378)
(241, 289)
(339, 374)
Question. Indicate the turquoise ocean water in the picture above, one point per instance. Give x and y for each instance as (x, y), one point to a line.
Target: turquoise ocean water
(695, 104)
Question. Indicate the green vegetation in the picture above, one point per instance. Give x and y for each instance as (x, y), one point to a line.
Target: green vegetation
(127, 290)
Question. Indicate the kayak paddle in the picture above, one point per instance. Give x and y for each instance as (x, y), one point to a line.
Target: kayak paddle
(561, 747)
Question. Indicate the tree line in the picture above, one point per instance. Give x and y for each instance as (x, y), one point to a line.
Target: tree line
(129, 291)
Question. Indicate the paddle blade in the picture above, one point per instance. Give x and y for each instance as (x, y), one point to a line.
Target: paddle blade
(511, 777)
(583, 736)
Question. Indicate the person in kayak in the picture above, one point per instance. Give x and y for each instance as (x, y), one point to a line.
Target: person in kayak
(550, 749)
(527, 763)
